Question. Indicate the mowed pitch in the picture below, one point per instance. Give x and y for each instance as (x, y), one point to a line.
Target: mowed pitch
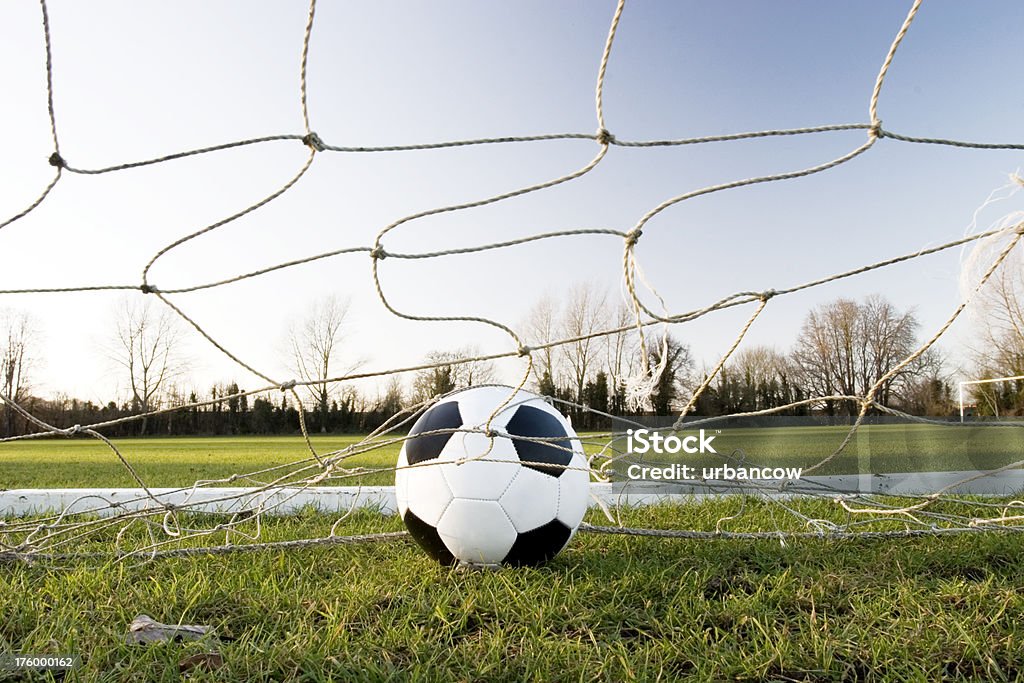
(609, 608)
(180, 461)
(167, 462)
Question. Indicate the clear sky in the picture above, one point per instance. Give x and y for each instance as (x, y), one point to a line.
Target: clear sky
(133, 80)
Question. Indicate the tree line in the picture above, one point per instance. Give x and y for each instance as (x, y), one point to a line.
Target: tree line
(234, 415)
(843, 348)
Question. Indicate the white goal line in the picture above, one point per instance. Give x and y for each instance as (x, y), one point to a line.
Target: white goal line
(334, 499)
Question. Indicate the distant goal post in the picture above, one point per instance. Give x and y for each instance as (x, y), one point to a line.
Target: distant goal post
(974, 382)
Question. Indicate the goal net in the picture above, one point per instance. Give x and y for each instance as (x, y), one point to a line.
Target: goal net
(849, 483)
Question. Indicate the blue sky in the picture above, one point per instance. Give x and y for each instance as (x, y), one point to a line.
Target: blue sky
(136, 80)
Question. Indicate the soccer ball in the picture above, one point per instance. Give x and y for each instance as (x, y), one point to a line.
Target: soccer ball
(509, 501)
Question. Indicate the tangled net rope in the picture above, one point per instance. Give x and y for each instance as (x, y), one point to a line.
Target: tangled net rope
(164, 516)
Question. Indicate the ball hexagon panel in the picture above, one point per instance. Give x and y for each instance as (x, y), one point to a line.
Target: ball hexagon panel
(549, 457)
(443, 415)
(531, 500)
(477, 531)
(574, 492)
(428, 494)
(486, 478)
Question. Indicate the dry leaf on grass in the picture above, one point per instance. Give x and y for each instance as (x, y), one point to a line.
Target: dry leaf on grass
(144, 629)
(204, 661)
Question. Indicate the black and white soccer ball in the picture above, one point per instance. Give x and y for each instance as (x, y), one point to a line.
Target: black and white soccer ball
(478, 500)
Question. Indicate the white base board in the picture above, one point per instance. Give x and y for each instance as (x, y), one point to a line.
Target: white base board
(331, 499)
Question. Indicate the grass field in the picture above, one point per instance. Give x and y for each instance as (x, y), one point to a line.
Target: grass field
(69, 463)
(164, 462)
(608, 609)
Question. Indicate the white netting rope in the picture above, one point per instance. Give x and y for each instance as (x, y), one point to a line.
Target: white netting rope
(49, 539)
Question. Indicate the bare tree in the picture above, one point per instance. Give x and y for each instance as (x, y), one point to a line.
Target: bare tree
(452, 371)
(671, 381)
(315, 346)
(541, 328)
(16, 361)
(1000, 352)
(393, 398)
(475, 372)
(147, 345)
(621, 355)
(845, 347)
(569, 369)
(761, 364)
(585, 314)
(755, 378)
(929, 394)
(434, 381)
